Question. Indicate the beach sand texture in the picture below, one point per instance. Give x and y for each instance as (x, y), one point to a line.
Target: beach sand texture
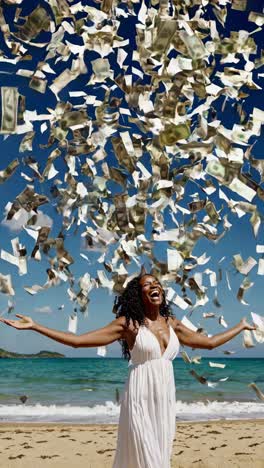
(207, 444)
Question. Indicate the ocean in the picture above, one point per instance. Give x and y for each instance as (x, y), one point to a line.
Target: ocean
(85, 390)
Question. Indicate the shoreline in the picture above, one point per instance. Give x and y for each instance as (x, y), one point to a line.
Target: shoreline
(70, 424)
(206, 444)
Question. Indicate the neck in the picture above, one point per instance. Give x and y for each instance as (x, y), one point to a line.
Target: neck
(152, 312)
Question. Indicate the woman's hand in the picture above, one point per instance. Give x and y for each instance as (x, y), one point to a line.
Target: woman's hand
(246, 325)
(25, 322)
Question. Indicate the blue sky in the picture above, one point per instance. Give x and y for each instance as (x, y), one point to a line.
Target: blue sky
(44, 307)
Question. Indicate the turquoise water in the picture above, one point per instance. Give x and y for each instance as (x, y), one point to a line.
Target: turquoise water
(84, 389)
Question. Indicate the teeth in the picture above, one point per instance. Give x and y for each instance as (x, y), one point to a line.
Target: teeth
(154, 293)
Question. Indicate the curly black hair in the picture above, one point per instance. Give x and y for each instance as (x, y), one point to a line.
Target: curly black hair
(130, 305)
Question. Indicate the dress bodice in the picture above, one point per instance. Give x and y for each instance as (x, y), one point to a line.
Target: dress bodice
(147, 346)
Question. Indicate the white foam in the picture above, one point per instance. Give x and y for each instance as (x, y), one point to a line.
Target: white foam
(109, 412)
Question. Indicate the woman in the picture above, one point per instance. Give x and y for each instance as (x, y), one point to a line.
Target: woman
(150, 336)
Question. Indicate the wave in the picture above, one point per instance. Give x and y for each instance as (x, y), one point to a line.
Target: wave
(108, 412)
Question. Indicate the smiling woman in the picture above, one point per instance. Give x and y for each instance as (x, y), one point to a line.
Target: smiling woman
(151, 337)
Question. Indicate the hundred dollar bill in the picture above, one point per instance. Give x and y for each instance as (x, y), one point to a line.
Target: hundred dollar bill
(196, 206)
(247, 339)
(8, 171)
(242, 189)
(9, 96)
(212, 212)
(121, 213)
(187, 359)
(38, 84)
(257, 18)
(240, 5)
(259, 332)
(6, 285)
(72, 326)
(246, 284)
(216, 169)
(203, 380)
(106, 6)
(122, 155)
(194, 45)
(37, 21)
(244, 267)
(60, 10)
(217, 364)
(63, 80)
(257, 390)
(101, 351)
(222, 321)
(165, 32)
(13, 2)
(27, 142)
(137, 217)
(175, 260)
(172, 133)
(101, 69)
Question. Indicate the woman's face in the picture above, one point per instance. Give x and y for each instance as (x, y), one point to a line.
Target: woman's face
(152, 292)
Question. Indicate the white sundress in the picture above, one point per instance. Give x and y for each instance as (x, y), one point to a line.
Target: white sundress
(147, 420)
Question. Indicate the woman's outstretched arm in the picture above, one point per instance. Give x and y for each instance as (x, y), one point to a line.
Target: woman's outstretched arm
(193, 339)
(100, 337)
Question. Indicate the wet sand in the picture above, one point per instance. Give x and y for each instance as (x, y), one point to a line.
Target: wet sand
(202, 444)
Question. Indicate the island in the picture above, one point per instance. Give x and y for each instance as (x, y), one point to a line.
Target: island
(41, 354)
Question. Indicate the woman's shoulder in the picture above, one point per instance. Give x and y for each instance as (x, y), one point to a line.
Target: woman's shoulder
(174, 322)
(127, 324)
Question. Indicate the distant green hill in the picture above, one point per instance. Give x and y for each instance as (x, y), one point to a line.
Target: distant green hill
(41, 354)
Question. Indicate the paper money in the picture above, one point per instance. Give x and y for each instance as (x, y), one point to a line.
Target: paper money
(212, 212)
(125, 159)
(247, 339)
(8, 171)
(9, 98)
(175, 260)
(73, 321)
(257, 18)
(258, 392)
(240, 5)
(194, 45)
(216, 169)
(121, 213)
(261, 267)
(101, 351)
(62, 80)
(242, 189)
(27, 142)
(172, 133)
(106, 6)
(165, 32)
(18, 261)
(217, 364)
(6, 285)
(259, 332)
(197, 205)
(187, 359)
(203, 380)
(208, 315)
(61, 10)
(38, 84)
(222, 321)
(244, 267)
(37, 21)
(101, 69)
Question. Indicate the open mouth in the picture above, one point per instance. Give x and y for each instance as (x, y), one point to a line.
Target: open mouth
(155, 294)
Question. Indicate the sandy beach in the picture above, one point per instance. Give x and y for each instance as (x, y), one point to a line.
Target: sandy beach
(202, 444)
